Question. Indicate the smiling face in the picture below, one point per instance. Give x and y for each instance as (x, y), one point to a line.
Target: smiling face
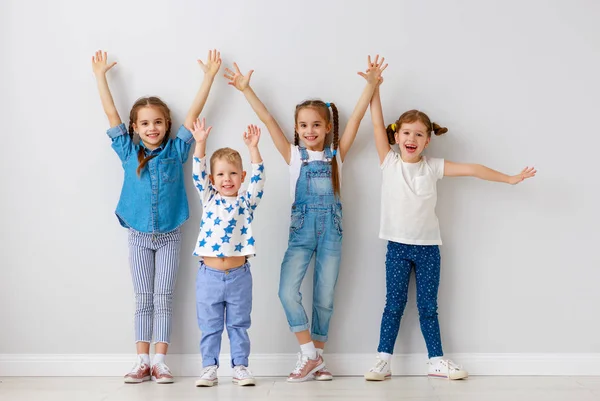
(412, 139)
(227, 173)
(151, 126)
(312, 126)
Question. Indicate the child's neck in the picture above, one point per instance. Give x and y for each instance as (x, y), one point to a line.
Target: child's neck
(412, 159)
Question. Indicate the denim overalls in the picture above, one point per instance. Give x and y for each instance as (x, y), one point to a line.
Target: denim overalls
(316, 227)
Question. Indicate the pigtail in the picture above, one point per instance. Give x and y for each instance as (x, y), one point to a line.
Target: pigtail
(391, 133)
(335, 177)
(438, 130)
(296, 138)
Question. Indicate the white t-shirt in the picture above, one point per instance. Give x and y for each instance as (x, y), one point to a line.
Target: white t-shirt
(296, 165)
(408, 199)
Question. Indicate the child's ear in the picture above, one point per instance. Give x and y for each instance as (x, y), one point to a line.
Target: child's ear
(134, 125)
(243, 175)
(212, 181)
(427, 142)
(329, 127)
(397, 136)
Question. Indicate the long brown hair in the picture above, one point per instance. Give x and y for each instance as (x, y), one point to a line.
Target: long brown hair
(323, 109)
(151, 101)
(412, 116)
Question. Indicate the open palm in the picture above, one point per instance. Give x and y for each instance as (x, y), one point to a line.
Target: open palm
(236, 79)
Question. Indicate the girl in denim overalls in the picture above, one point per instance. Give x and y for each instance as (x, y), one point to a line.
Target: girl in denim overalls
(316, 222)
(153, 206)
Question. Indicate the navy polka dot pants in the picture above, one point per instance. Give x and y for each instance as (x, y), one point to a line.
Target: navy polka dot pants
(400, 260)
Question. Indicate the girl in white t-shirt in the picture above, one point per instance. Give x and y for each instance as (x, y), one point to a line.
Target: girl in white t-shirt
(409, 223)
(316, 223)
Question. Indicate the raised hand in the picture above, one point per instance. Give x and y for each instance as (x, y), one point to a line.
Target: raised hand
(527, 172)
(213, 63)
(374, 70)
(199, 131)
(236, 79)
(251, 136)
(99, 65)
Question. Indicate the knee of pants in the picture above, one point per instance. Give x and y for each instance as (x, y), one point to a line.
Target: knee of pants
(143, 302)
(288, 297)
(162, 301)
(427, 310)
(395, 308)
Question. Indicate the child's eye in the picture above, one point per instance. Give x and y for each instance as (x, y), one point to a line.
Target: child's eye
(220, 174)
(419, 134)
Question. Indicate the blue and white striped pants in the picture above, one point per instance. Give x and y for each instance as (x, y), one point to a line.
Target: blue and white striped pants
(154, 260)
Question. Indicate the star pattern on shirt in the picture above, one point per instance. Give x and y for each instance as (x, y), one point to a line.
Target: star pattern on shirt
(225, 227)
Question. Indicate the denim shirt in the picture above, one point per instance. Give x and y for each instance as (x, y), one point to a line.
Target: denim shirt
(156, 201)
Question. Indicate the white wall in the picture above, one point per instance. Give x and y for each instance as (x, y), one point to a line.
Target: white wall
(516, 83)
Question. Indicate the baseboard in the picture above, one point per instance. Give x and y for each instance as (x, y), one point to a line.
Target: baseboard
(282, 364)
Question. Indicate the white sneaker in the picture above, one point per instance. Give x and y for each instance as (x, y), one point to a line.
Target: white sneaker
(446, 369)
(208, 377)
(242, 376)
(379, 372)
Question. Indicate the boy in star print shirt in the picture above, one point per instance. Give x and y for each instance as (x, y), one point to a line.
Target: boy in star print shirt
(225, 242)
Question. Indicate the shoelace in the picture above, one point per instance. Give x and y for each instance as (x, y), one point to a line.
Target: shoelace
(302, 359)
(209, 370)
(162, 368)
(242, 372)
(451, 365)
(137, 366)
(379, 366)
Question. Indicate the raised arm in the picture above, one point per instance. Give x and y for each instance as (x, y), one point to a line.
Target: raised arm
(381, 138)
(373, 77)
(210, 69)
(199, 173)
(257, 177)
(100, 67)
(242, 83)
(485, 173)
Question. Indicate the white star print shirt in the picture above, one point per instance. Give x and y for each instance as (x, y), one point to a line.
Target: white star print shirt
(226, 226)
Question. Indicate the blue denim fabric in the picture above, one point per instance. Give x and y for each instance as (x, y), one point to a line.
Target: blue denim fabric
(316, 228)
(224, 298)
(400, 260)
(154, 202)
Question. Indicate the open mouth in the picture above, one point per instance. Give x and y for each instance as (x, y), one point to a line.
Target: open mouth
(410, 148)
(310, 137)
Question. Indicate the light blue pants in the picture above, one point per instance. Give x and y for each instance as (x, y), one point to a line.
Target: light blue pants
(224, 298)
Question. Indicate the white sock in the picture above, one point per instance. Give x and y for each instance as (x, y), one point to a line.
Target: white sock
(309, 350)
(145, 358)
(385, 356)
(319, 351)
(158, 358)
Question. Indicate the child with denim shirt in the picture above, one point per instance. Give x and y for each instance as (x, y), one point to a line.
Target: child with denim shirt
(225, 242)
(153, 206)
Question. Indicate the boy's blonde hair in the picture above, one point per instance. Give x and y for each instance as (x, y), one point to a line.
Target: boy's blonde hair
(229, 155)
